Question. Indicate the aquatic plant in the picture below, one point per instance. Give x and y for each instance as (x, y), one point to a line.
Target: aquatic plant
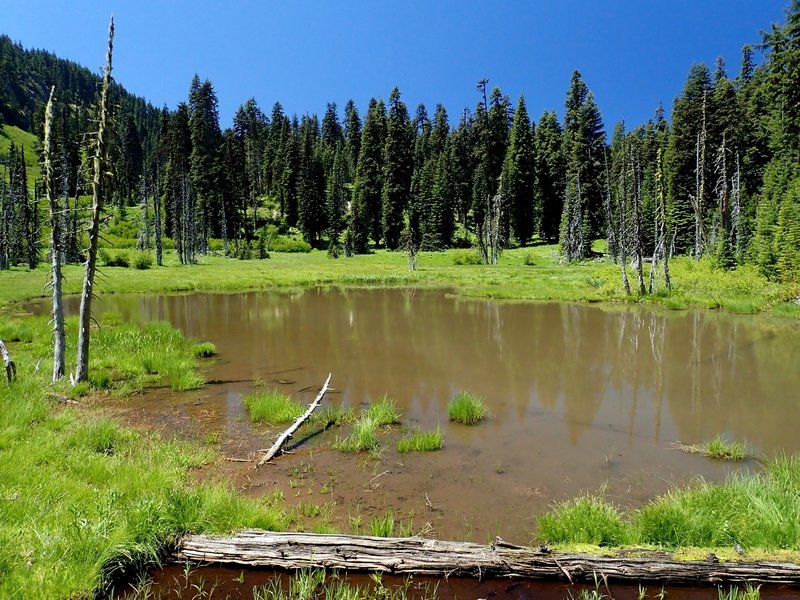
(364, 437)
(718, 448)
(204, 349)
(466, 408)
(421, 441)
(587, 519)
(384, 412)
(272, 406)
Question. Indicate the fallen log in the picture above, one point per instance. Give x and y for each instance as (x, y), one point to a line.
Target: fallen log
(421, 556)
(286, 435)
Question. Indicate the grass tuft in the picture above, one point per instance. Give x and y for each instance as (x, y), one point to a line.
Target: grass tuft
(466, 408)
(272, 406)
(584, 520)
(204, 349)
(421, 441)
(364, 437)
(382, 525)
(718, 448)
(384, 412)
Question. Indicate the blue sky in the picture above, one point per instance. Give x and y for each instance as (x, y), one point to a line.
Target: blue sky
(632, 53)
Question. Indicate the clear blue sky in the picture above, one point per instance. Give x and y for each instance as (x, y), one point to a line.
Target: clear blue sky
(632, 53)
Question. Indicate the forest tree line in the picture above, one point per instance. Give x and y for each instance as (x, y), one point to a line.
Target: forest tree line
(720, 178)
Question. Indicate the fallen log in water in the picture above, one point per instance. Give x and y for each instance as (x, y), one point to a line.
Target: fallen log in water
(286, 435)
(420, 556)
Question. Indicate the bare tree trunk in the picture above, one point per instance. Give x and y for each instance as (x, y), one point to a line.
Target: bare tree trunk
(10, 367)
(616, 237)
(98, 196)
(59, 340)
(637, 223)
(700, 182)
(660, 217)
(157, 219)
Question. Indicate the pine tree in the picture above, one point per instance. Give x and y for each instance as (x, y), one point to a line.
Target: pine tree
(352, 137)
(584, 152)
(336, 197)
(683, 159)
(251, 128)
(131, 163)
(368, 184)
(550, 176)
(398, 165)
(204, 162)
(311, 184)
(519, 175)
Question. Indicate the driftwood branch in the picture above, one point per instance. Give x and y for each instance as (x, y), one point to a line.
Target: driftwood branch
(8, 364)
(420, 556)
(286, 435)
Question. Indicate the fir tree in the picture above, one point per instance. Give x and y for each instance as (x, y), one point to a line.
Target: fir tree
(368, 184)
(518, 175)
(550, 176)
(398, 164)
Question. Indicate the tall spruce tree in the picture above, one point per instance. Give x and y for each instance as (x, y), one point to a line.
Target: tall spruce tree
(519, 175)
(368, 184)
(398, 165)
(550, 176)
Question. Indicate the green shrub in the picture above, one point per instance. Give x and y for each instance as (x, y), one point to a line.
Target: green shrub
(272, 406)
(466, 408)
(282, 243)
(466, 257)
(142, 260)
(421, 441)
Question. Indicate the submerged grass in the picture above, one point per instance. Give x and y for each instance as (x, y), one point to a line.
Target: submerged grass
(466, 408)
(82, 498)
(308, 584)
(272, 406)
(421, 441)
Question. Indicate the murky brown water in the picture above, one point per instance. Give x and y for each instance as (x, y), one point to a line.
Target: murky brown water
(580, 397)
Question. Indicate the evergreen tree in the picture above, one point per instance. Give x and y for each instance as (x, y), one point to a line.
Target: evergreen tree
(336, 196)
(584, 152)
(688, 116)
(518, 175)
(550, 176)
(368, 184)
(398, 165)
(352, 137)
(204, 169)
(131, 162)
(251, 128)
(311, 184)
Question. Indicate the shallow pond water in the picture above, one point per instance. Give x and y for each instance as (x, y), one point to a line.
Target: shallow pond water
(580, 397)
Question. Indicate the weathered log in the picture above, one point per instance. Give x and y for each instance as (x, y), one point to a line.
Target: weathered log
(286, 435)
(420, 556)
(8, 364)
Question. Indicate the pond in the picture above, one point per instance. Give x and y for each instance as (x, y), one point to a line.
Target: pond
(580, 398)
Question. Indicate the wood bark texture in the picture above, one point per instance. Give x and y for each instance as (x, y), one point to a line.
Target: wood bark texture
(56, 246)
(98, 197)
(8, 364)
(286, 435)
(420, 556)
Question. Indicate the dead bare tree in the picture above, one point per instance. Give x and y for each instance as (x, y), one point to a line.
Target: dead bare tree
(660, 218)
(698, 201)
(98, 197)
(490, 238)
(637, 221)
(616, 231)
(157, 220)
(10, 367)
(59, 340)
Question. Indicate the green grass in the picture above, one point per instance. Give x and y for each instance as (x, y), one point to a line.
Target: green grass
(82, 498)
(364, 437)
(587, 519)
(384, 412)
(695, 283)
(382, 525)
(749, 592)
(272, 406)
(719, 449)
(308, 584)
(204, 350)
(466, 408)
(421, 441)
(754, 511)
